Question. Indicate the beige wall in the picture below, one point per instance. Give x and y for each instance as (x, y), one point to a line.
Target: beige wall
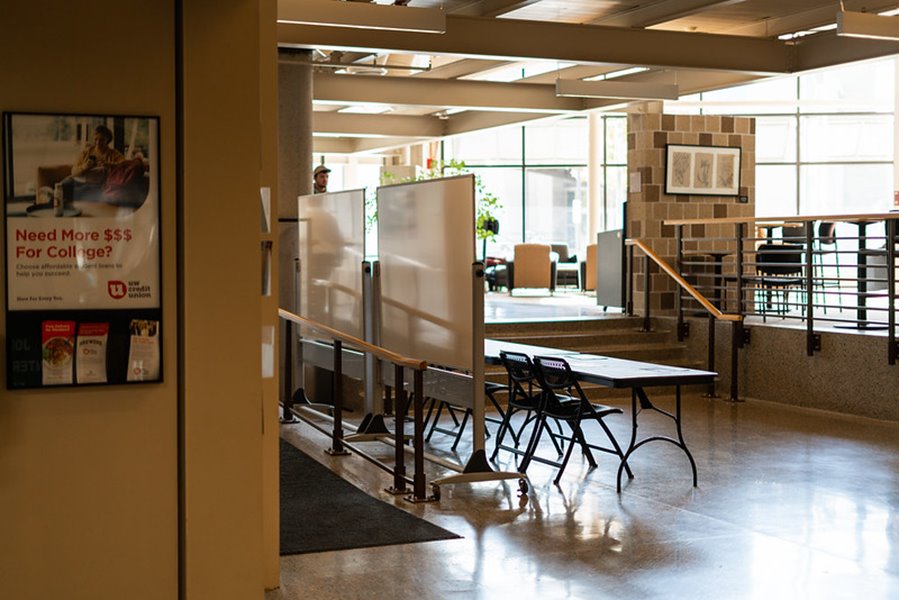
(89, 479)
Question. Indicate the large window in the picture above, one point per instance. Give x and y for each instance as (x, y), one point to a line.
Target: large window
(824, 140)
(539, 172)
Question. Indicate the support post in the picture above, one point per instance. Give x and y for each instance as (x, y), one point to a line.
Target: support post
(629, 308)
(736, 335)
(712, 393)
(739, 277)
(810, 339)
(418, 444)
(287, 406)
(891, 287)
(679, 265)
(647, 288)
(399, 433)
(337, 448)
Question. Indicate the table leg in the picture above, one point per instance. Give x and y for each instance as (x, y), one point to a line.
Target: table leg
(646, 404)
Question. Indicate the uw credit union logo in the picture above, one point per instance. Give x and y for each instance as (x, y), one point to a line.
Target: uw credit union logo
(116, 289)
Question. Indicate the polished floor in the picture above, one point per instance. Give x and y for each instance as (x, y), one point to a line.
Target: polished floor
(540, 305)
(791, 503)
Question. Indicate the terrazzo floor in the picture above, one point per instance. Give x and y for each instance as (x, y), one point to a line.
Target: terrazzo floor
(791, 503)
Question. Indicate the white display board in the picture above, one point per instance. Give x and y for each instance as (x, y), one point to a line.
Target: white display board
(331, 249)
(426, 244)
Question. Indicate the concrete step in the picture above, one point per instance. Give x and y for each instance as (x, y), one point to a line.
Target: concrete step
(562, 327)
(581, 341)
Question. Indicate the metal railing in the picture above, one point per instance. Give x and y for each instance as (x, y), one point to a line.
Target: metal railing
(338, 444)
(713, 311)
(826, 272)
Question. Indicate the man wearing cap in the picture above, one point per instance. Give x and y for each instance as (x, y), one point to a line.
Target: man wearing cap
(320, 179)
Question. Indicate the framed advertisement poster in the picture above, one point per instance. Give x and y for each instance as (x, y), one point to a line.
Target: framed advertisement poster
(82, 240)
(702, 170)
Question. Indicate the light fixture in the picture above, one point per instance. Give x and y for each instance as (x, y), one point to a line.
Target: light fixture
(577, 88)
(867, 25)
(361, 15)
(365, 109)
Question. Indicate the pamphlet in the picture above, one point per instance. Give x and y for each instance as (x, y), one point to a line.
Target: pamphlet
(90, 362)
(58, 347)
(143, 356)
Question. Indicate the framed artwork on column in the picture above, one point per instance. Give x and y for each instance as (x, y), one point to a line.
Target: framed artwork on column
(702, 170)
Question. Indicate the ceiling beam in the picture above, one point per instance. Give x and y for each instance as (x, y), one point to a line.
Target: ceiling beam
(646, 15)
(575, 72)
(327, 145)
(460, 68)
(492, 8)
(804, 20)
(515, 39)
(377, 145)
(828, 49)
(476, 120)
(441, 93)
(382, 125)
(694, 81)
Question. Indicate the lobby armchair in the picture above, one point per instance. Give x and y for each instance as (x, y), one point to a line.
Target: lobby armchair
(531, 267)
(588, 270)
(567, 267)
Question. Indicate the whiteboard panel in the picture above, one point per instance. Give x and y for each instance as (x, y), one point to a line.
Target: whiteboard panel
(331, 238)
(426, 245)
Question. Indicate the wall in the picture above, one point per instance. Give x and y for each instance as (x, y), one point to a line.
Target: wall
(648, 134)
(88, 478)
(850, 374)
(268, 101)
(222, 390)
(153, 491)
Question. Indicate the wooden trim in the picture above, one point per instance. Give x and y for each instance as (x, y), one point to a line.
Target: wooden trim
(788, 219)
(682, 282)
(397, 359)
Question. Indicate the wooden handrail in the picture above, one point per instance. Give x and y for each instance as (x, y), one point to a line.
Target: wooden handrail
(868, 217)
(711, 308)
(383, 353)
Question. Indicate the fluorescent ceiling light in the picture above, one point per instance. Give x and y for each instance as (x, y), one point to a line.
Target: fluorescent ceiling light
(576, 88)
(366, 109)
(614, 74)
(867, 25)
(327, 134)
(361, 15)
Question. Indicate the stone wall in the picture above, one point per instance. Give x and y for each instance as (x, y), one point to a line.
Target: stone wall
(649, 206)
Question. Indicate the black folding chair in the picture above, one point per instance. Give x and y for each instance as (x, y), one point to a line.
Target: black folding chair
(490, 390)
(524, 396)
(564, 400)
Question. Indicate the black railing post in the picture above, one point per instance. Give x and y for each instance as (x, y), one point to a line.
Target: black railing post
(418, 444)
(739, 274)
(891, 287)
(399, 437)
(711, 358)
(736, 335)
(629, 308)
(287, 376)
(679, 266)
(647, 288)
(337, 391)
(736, 332)
(810, 344)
